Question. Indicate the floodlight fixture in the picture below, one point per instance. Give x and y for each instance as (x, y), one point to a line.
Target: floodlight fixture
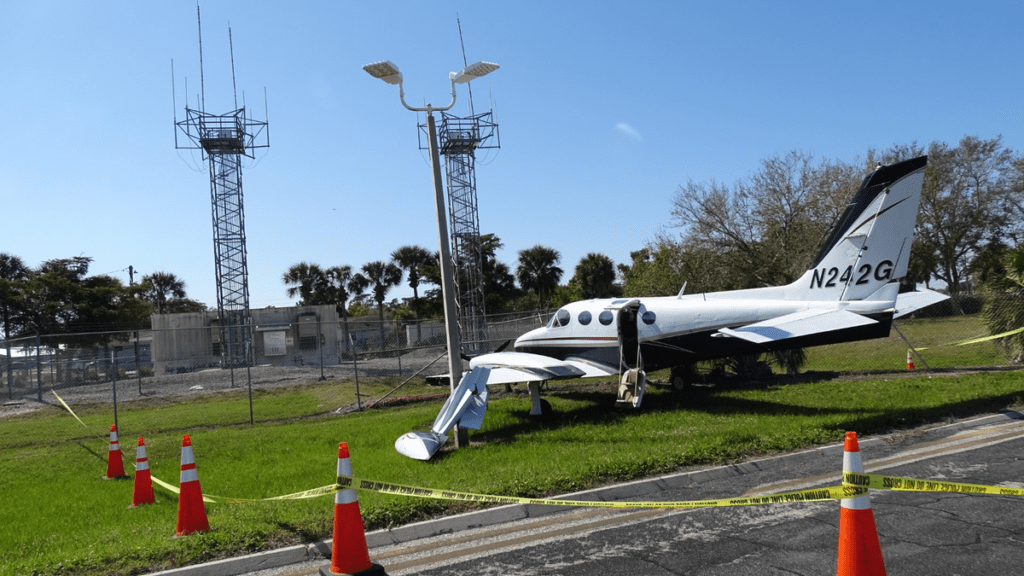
(473, 71)
(385, 70)
(388, 72)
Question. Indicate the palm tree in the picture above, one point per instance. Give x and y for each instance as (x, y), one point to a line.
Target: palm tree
(411, 259)
(383, 276)
(160, 287)
(538, 271)
(308, 281)
(595, 276)
(343, 284)
(1003, 310)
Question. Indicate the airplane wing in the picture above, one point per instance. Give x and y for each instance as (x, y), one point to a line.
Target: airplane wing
(510, 367)
(468, 402)
(908, 302)
(803, 323)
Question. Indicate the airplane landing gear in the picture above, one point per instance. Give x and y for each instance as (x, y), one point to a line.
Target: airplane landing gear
(681, 377)
(540, 408)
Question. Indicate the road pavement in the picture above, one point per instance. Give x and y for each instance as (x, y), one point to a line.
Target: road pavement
(947, 533)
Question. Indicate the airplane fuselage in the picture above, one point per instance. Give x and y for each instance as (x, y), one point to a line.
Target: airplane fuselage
(678, 330)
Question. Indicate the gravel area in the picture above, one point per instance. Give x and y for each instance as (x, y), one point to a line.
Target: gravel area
(217, 380)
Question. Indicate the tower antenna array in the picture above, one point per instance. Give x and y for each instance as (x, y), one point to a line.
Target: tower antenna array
(223, 140)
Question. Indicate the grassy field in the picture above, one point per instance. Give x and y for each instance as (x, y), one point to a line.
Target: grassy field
(60, 517)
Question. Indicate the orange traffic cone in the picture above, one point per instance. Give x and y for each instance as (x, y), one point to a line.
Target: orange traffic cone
(860, 553)
(115, 464)
(349, 554)
(191, 510)
(910, 361)
(142, 492)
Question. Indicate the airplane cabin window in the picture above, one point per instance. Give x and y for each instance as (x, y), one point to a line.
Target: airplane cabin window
(648, 317)
(605, 318)
(584, 318)
(562, 317)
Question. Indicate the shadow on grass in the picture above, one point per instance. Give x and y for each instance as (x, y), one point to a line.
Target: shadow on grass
(596, 408)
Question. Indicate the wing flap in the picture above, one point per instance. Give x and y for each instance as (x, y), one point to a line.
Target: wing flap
(804, 323)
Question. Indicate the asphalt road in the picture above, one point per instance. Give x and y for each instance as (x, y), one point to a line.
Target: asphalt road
(920, 533)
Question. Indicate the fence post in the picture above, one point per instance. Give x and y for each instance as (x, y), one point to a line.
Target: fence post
(113, 380)
(138, 367)
(39, 372)
(10, 376)
(398, 345)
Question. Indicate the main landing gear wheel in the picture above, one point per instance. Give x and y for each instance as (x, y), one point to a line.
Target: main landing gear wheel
(680, 378)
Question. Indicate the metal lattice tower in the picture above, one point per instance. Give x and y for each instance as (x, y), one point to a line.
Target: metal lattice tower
(460, 138)
(224, 139)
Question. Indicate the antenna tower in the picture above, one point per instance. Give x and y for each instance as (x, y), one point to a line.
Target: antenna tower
(459, 139)
(223, 140)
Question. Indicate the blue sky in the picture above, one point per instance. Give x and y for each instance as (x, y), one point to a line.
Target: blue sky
(604, 110)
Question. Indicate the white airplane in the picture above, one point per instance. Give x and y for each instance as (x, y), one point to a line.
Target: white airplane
(849, 293)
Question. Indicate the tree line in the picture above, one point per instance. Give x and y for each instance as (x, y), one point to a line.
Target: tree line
(760, 230)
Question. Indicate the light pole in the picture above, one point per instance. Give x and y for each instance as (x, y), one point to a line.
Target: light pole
(389, 73)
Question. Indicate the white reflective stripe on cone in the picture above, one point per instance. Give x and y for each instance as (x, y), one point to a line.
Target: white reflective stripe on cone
(345, 496)
(852, 463)
(141, 462)
(344, 467)
(189, 475)
(186, 455)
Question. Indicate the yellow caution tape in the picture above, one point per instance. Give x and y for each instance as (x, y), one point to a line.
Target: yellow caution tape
(54, 392)
(993, 337)
(211, 499)
(812, 495)
(854, 484)
(346, 483)
(882, 482)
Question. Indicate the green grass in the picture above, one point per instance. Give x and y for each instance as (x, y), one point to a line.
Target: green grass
(935, 338)
(59, 517)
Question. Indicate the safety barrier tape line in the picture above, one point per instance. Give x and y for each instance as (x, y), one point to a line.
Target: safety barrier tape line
(993, 337)
(345, 483)
(54, 392)
(812, 495)
(979, 340)
(883, 482)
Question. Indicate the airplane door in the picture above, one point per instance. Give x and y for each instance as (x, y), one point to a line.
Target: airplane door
(629, 340)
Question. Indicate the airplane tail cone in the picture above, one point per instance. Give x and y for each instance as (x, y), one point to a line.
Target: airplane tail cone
(115, 463)
(910, 361)
(191, 510)
(142, 492)
(349, 554)
(860, 553)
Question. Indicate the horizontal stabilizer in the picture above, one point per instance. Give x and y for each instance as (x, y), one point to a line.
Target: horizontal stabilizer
(803, 323)
(908, 302)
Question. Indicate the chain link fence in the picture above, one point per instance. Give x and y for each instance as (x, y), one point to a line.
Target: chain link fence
(183, 353)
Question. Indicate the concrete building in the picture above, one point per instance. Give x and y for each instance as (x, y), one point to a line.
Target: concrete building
(293, 336)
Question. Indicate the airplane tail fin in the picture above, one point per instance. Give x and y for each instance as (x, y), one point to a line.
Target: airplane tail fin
(870, 246)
